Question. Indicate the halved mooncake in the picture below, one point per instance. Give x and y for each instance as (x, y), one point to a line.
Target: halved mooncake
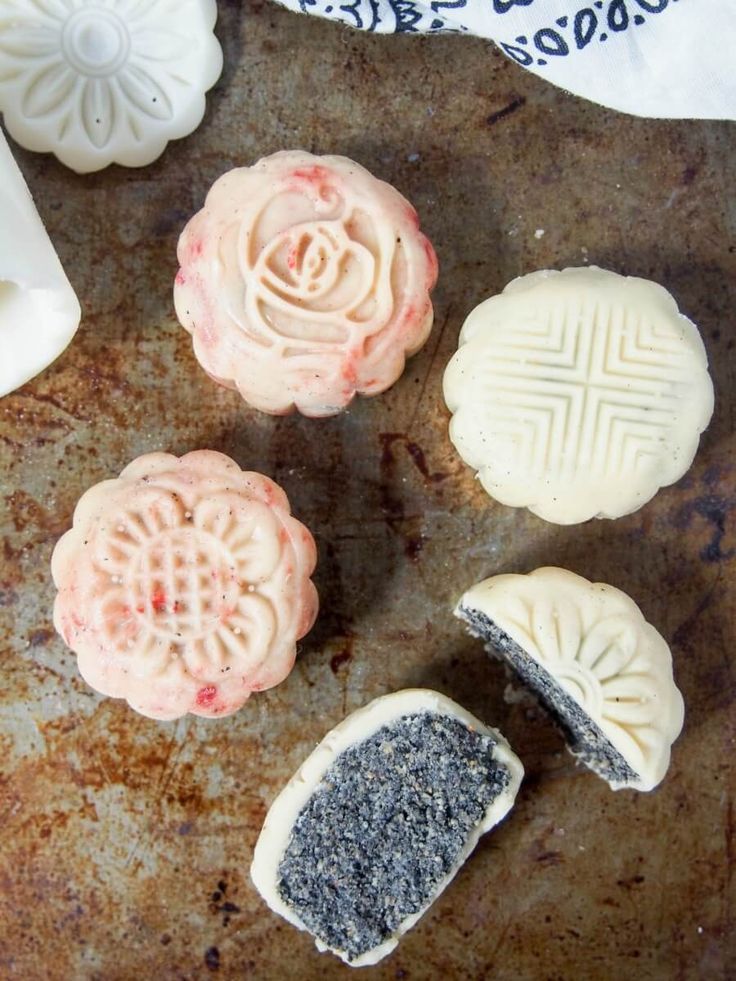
(602, 671)
(377, 821)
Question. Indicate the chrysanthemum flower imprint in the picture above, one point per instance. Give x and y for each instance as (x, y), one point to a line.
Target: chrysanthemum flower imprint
(105, 81)
(184, 585)
(585, 649)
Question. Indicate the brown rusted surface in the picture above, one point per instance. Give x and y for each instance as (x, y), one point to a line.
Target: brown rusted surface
(126, 843)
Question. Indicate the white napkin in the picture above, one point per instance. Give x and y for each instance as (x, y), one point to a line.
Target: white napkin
(673, 59)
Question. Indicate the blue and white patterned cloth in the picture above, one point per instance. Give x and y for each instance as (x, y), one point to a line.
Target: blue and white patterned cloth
(659, 58)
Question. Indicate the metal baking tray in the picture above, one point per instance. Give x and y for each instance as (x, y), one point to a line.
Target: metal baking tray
(125, 843)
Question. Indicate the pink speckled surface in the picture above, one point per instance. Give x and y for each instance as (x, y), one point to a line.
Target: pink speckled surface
(183, 585)
(304, 281)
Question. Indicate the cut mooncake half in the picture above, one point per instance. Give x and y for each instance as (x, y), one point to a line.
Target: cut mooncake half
(602, 671)
(379, 818)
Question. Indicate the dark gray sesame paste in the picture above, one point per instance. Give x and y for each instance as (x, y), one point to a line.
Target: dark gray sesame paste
(385, 824)
(585, 738)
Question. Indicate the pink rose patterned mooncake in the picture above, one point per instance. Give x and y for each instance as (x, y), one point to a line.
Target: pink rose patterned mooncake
(303, 281)
(184, 585)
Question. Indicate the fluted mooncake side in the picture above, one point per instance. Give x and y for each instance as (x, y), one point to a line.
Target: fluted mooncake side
(184, 585)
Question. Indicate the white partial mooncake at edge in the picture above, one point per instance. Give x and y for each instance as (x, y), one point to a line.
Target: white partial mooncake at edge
(39, 311)
(304, 281)
(578, 394)
(601, 670)
(105, 81)
(378, 820)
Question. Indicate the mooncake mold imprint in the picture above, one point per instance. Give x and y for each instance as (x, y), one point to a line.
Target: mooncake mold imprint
(184, 585)
(578, 394)
(602, 671)
(102, 82)
(304, 280)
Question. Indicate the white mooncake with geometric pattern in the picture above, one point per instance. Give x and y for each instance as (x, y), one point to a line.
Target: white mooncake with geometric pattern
(578, 394)
(586, 651)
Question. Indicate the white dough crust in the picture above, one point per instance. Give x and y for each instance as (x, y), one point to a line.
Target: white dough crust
(360, 725)
(578, 394)
(593, 640)
(39, 311)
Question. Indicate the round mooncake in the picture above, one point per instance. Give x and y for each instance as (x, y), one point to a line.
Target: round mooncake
(184, 585)
(578, 394)
(105, 81)
(303, 281)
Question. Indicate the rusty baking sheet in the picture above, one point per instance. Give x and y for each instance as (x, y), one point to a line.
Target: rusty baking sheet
(126, 843)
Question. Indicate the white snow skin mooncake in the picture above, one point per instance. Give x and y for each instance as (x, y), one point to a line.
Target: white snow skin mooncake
(586, 651)
(97, 82)
(578, 394)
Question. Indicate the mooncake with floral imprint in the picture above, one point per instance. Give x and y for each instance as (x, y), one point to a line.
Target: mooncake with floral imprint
(184, 585)
(587, 652)
(105, 81)
(304, 280)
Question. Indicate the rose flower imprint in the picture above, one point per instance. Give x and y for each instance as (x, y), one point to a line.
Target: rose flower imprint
(184, 585)
(304, 280)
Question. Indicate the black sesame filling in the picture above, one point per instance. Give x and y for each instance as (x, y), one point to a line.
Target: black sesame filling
(384, 826)
(585, 738)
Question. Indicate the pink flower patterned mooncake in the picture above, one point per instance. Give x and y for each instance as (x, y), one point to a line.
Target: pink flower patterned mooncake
(304, 280)
(184, 585)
